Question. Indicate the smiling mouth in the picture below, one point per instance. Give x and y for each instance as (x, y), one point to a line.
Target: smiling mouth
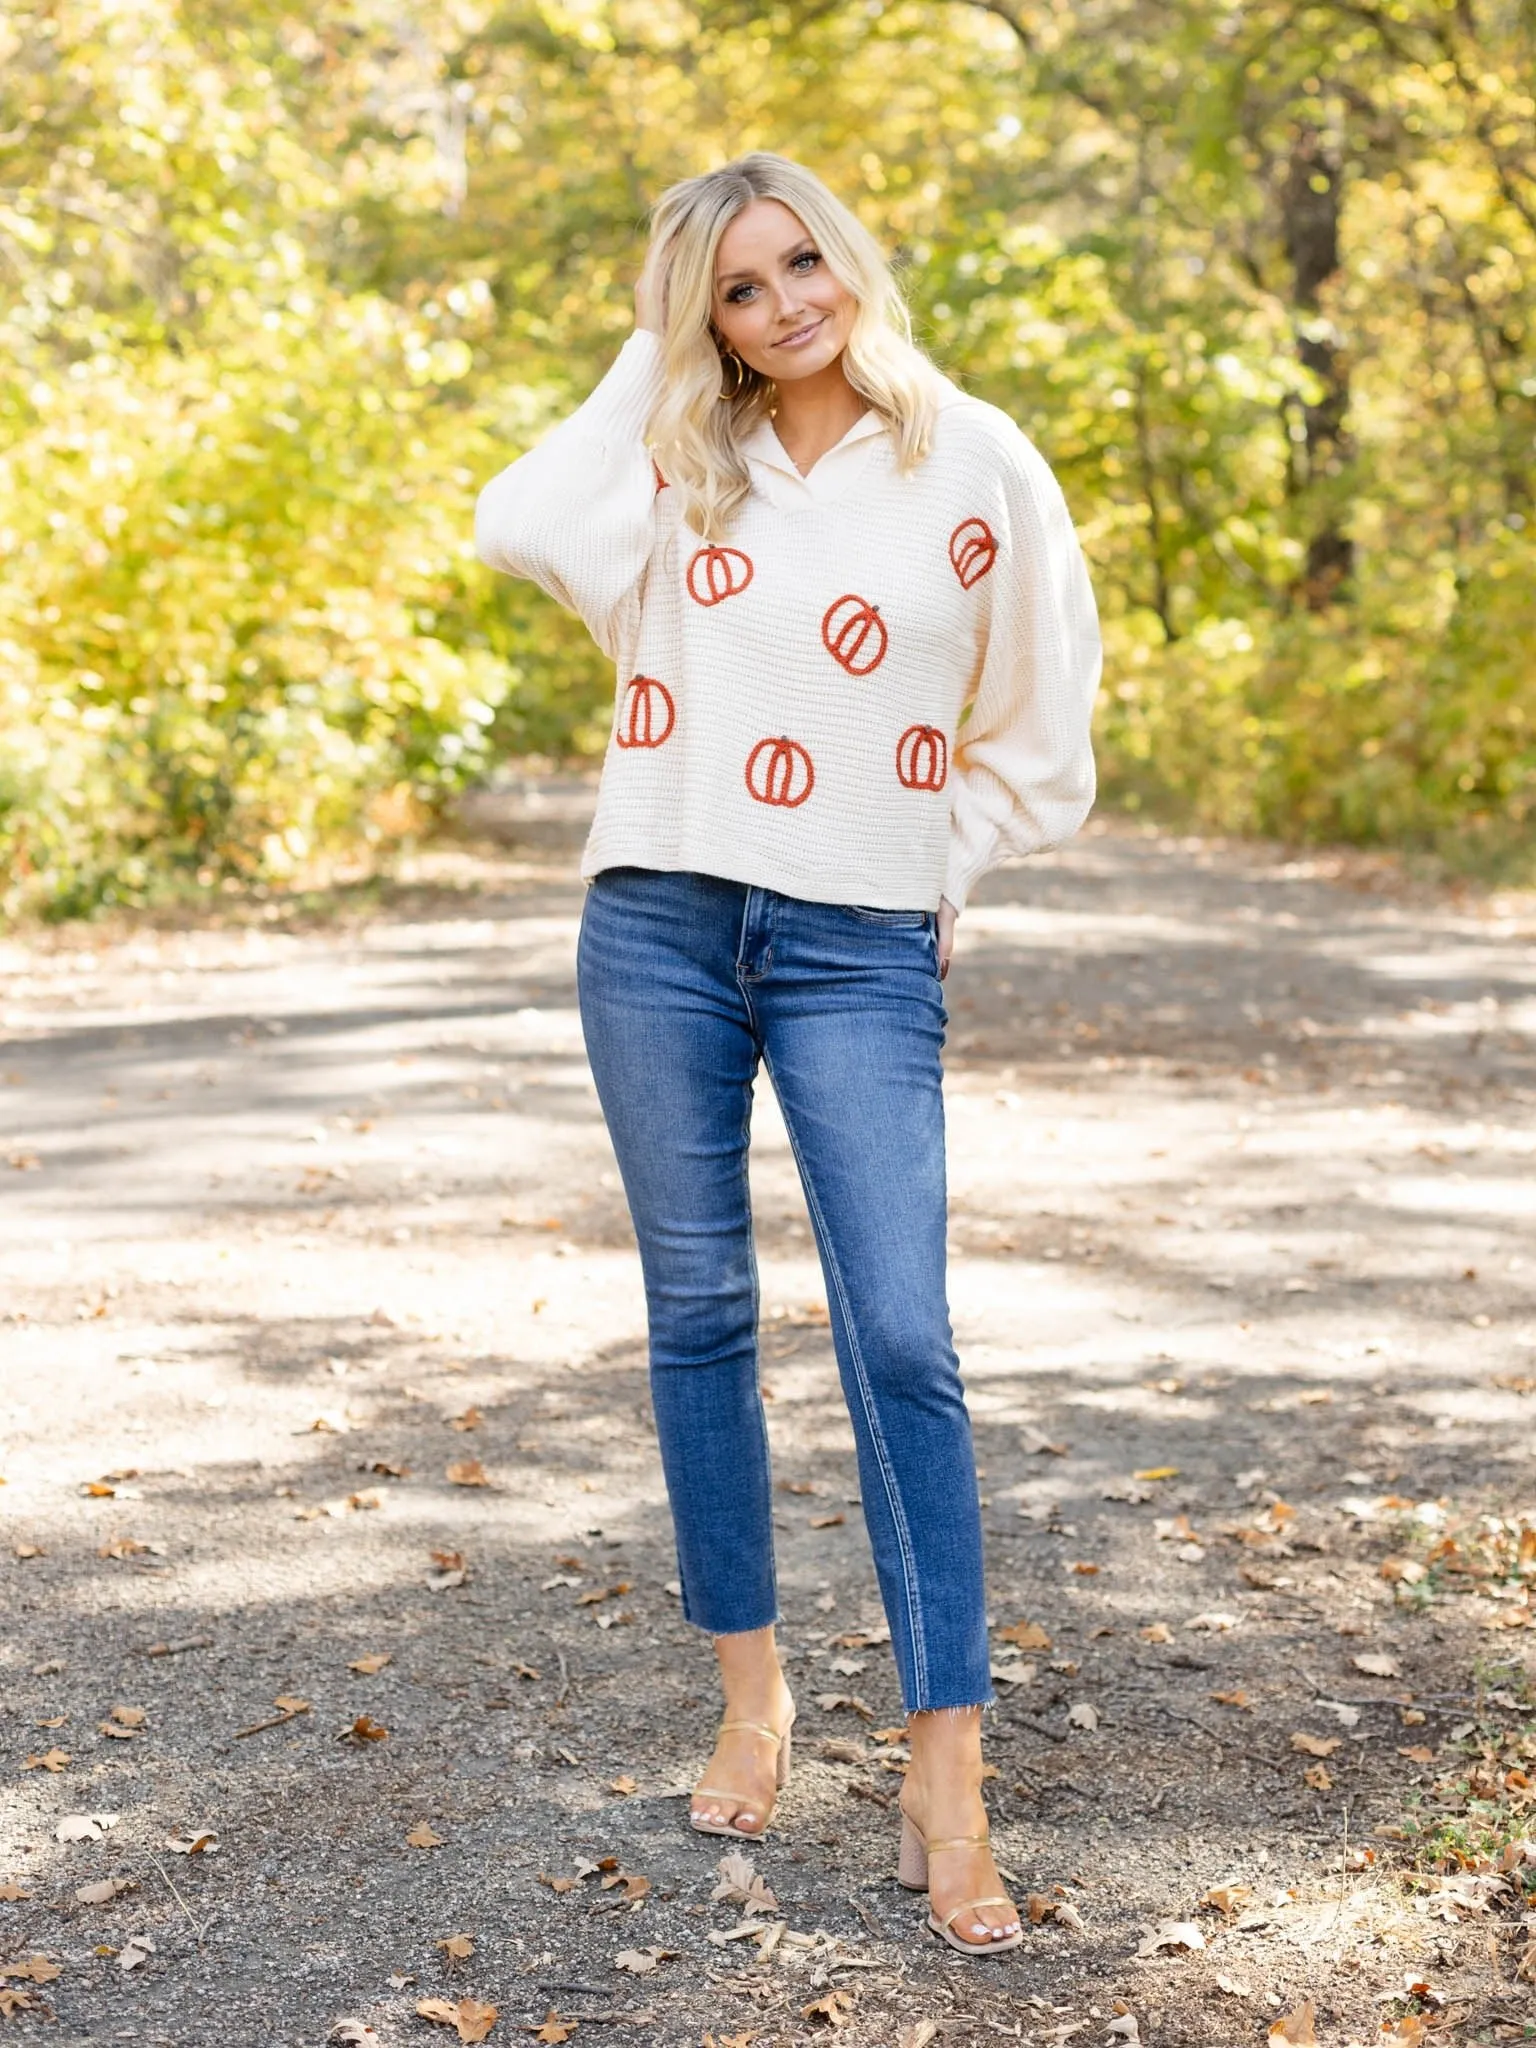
(799, 334)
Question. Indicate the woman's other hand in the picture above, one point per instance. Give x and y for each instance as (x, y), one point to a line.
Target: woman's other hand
(947, 916)
(650, 305)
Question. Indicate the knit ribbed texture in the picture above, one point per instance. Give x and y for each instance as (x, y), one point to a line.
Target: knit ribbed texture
(871, 700)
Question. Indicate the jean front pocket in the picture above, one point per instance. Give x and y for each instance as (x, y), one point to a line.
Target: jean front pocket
(897, 920)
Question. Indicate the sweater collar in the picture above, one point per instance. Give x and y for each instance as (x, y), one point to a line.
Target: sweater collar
(762, 444)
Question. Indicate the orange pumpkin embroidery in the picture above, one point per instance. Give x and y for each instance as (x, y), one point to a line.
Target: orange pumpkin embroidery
(779, 772)
(661, 482)
(647, 713)
(715, 574)
(854, 634)
(922, 758)
(972, 551)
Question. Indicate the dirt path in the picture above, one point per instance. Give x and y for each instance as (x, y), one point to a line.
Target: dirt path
(298, 1221)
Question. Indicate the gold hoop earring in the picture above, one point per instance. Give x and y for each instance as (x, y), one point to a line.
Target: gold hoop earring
(740, 367)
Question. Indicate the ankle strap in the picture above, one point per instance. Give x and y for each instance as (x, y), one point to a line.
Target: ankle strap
(755, 1728)
(957, 1842)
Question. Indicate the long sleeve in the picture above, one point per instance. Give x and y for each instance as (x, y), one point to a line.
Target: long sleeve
(575, 514)
(1024, 771)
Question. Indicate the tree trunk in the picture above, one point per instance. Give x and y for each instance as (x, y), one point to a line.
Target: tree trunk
(1309, 202)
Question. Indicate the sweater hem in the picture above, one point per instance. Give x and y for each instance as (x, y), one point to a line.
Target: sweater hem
(754, 874)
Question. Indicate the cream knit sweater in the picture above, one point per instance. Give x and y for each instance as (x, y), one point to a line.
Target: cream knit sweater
(878, 688)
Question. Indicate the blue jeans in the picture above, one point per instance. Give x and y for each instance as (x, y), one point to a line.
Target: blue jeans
(685, 983)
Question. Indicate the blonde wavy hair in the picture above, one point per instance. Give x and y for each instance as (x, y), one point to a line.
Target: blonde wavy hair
(695, 432)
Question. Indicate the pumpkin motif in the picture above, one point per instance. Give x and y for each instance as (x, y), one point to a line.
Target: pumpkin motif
(853, 633)
(647, 713)
(715, 574)
(779, 772)
(922, 758)
(972, 551)
(661, 482)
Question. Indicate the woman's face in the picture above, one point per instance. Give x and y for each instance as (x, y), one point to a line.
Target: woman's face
(776, 302)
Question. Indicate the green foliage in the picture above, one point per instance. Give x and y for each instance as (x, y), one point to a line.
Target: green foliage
(283, 288)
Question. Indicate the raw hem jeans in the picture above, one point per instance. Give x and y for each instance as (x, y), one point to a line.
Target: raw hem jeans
(686, 982)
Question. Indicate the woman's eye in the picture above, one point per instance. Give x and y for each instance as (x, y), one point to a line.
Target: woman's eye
(734, 297)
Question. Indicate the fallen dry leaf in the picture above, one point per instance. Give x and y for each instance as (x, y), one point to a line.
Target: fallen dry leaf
(1408, 2032)
(741, 1886)
(53, 1760)
(470, 1419)
(833, 1702)
(1234, 1987)
(828, 1521)
(367, 1667)
(422, 1837)
(1376, 1664)
(13, 2002)
(84, 1827)
(1229, 1898)
(1419, 1753)
(130, 1717)
(472, 2020)
(457, 1947)
(554, 2028)
(10, 1892)
(1158, 1472)
(353, 2034)
(834, 2008)
(1172, 1934)
(363, 1729)
(1082, 1715)
(1215, 1621)
(1316, 1745)
(106, 1891)
(918, 2035)
(36, 1970)
(137, 1949)
(1024, 1635)
(624, 1786)
(1238, 1699)
(467, 1472)
(1156, 1632)
(641, 1961)
(1318, 1777)
(1295, 2029)
(200, 1842)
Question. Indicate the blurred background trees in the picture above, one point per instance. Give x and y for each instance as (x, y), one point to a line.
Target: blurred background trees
(282, 287)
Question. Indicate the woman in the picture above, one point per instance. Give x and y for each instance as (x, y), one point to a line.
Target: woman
(857, 653)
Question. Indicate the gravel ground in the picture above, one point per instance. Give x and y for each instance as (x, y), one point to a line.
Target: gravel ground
(322, 1364)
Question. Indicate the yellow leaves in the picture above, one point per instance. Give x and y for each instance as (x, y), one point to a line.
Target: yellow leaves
(1316, 1745)
(1157, 1472)
(35, 1970)
(1295, 2029)
(467, 1472)
(53, 1760)
(833, 2009)
(1024, 1635)
(362, 1731)
(372, 1664)
(423, 1836)
(554, 2028)
(471, 2020)
(288, 1706)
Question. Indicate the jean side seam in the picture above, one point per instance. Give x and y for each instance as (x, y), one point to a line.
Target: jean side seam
(871, 1417)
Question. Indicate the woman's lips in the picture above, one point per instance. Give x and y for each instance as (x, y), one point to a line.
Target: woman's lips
(801, 335)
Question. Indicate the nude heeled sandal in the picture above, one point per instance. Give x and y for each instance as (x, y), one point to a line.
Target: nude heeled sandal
(912, 1871)
(781, 1778)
